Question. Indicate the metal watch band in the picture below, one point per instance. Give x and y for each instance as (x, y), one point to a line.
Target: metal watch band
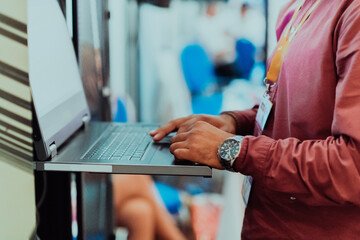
(239, 139)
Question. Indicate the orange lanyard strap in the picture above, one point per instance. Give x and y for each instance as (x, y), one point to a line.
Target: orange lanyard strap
(284, 43)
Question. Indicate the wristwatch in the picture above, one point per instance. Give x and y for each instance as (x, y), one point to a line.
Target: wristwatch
(229, 150)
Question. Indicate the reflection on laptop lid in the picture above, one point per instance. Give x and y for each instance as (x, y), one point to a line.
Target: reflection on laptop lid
(57, 90)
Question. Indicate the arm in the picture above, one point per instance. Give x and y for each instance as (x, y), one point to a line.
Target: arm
(323, 172)
(318, 172)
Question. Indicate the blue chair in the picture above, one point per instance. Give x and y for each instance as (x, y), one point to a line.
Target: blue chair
(121, 114)
(245, 58)
(200, 78)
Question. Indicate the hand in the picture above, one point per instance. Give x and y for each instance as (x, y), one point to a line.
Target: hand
(199, 144)
(223, 122)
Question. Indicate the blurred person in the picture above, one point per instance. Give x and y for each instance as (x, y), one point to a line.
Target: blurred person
(91, 79)
(137, 209)
(214, 35)
(251, 25)
(157, 35)
(302, 145)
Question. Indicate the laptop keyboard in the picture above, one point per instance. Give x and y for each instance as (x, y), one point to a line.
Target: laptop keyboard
(121, 143)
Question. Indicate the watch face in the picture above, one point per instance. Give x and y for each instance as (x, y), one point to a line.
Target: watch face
(229, 149)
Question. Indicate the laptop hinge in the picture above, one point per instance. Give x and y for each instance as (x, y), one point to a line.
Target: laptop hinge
(86, 120)
(53, 150)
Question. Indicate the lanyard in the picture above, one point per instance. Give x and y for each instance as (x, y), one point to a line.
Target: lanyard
(276, 63)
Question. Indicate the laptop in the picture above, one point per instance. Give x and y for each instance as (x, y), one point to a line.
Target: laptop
(64, 137)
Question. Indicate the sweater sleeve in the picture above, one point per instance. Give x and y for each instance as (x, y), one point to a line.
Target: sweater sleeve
(318, 172)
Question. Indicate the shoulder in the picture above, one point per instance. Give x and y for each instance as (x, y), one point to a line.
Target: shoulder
(351, 9)
(347, 35)
(349, 16)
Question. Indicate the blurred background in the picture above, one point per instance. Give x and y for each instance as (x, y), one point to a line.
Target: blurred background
(156, 60)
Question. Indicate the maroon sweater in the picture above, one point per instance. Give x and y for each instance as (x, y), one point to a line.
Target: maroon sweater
(306, 163)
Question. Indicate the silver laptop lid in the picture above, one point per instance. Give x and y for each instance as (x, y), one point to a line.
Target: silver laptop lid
(57, 90)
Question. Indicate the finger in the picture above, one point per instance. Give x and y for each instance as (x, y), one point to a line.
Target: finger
(159, 129)
(182, 154)
(179, 137)
(178, 145)
(157, 136)
(187, 126)
(161, 132)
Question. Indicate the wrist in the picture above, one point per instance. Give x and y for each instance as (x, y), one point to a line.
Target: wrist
(229, 151)
(231, 122)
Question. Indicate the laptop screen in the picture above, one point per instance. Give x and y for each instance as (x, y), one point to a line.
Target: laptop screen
(55, 81)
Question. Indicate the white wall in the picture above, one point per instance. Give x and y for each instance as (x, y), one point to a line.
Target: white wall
(17, 199)
(17, 188)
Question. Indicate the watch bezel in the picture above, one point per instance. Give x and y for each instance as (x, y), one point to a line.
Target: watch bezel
(230, 142)
(227, 163)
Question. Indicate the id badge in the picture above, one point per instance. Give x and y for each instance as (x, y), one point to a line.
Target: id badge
(264, 111)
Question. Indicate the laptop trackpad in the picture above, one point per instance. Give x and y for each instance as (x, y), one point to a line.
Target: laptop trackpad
(162, 156)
